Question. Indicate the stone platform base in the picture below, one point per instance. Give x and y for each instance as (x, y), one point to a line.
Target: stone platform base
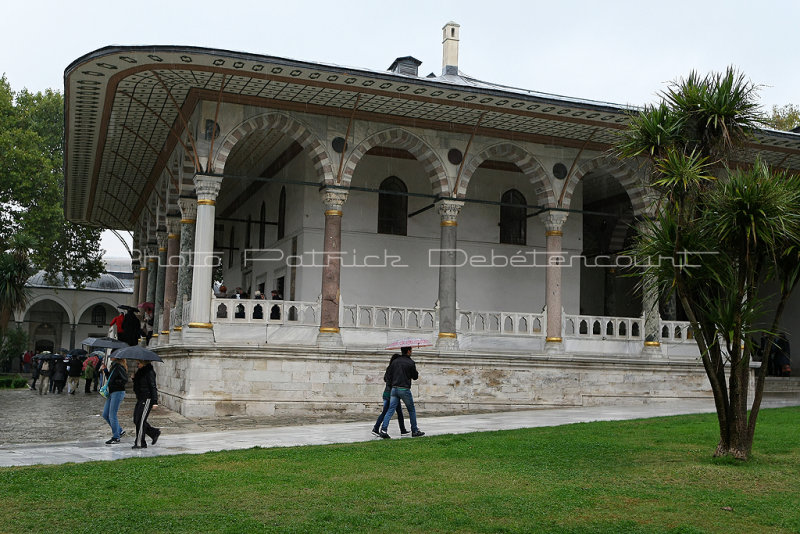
(263, 381)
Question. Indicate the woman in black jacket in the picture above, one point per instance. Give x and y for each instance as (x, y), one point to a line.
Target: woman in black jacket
(117, 379)
(144, 385)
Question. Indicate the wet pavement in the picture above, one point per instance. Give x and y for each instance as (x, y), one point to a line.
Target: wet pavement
(62, 428)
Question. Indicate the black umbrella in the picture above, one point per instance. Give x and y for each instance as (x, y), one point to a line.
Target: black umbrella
(103, 343)
(136, 352)
(77, 352)
(126, 307)
(48, 356)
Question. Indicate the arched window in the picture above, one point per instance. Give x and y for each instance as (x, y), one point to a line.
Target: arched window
(513, 221)
(247, 232)
(99, 315)
(262, 227)
(231, 248)
(282, 213)
(392, 208)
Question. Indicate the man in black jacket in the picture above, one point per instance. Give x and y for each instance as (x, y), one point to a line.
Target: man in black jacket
(144, 386)
(399, 375)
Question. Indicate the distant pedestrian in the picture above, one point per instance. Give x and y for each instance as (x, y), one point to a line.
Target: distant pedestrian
(35, 364)
(399, 375)
(117, 378)
(59, 375)
(44, 375)
(387, 396)
(131, 328)
(74, 372)
(144, 385)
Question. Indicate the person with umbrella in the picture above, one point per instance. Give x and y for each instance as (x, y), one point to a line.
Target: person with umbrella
(144, 386)
(44, 371)
(117, 379)
(131, 328)
(387, 397)
(90, 370)
(401, 371)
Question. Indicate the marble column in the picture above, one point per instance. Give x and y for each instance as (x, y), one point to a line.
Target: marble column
(553, 222)
(171, 275)
(652, 316)
(188, 208)
(200, 327)
(448, 211)
(134, 300)
(152, 272)
(143, 277)
(161, 273)
(329, 335)
(72, 329)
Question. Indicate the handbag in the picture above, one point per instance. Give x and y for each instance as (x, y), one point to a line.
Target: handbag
(104, 389)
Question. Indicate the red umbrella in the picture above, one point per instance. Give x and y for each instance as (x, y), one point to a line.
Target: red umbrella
(409, 342)
(146, 306)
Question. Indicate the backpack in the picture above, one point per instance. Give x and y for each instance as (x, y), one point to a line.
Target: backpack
(45, 370)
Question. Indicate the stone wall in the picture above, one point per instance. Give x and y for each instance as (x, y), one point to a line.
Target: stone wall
(266, 381)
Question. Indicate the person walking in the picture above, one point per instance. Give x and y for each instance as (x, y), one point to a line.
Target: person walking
(117, 379)
(387, 396)
(59, 375)
(74, 371)
(131, 328)
(399, 375)
(144, 386)
(36, 364)
(44, 375)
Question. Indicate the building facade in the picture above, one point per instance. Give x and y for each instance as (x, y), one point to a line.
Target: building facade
(378, 205)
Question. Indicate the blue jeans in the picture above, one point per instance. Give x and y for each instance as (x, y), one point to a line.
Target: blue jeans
(400, 420)
(110, 412)
(408, 400)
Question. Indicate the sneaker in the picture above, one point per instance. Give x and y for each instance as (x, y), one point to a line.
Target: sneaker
(384, 435)
(417, 434)
(122, 433)
(376, 433)
(139, 447)
(112, 441)
(404, 433)
(158, 435)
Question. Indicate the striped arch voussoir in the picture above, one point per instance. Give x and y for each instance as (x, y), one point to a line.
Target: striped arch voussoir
(399, 138)
(286, 125)
(624, 174)
(520, 157)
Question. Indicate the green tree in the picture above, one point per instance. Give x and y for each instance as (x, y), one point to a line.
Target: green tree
(727, 228)
(784, 118)
(15, 269)
(32, 187)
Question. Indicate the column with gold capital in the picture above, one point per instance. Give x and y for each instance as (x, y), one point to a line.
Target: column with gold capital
(333, 200)
(448, 211)
(207, 188)
(152, 271)
(171, 274)
(188, 207)
(161, 273)
(553, 223)
(135, 296)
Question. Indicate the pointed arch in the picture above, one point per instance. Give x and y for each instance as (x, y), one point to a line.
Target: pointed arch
(399, 138)
(624, 174)
(520, 157)
(286, 125)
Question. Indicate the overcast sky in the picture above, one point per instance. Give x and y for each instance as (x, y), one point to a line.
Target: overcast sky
(621, 51)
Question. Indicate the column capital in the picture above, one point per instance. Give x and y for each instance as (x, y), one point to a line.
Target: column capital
(448, 210)
(333, 199)
(161, 239)
(553, 220)
(173, 227)
(207, 187)
(188, 207)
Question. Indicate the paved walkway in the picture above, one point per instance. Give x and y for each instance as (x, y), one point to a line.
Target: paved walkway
(56, 429)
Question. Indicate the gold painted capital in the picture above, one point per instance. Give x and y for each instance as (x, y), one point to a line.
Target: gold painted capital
(162, 249)
(152, 260)
(554, 233)
(165, 332)
(449, 335)
(337, 213)
(328, 330)
(206, 202)
(178, 328)
(154, 335)
(449, 223)
(553, 339)
(652, 344)
(173, 236)
(200, 325)
(142, 268)
(188, 221)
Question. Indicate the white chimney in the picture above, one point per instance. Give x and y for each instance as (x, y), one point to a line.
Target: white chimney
(450, 48)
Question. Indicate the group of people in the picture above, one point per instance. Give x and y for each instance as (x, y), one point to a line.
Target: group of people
(55, 371)
(398, 376)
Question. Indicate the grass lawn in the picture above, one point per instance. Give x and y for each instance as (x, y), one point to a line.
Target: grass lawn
(649, 476)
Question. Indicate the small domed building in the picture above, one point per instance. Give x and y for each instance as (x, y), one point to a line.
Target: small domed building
(59, 315)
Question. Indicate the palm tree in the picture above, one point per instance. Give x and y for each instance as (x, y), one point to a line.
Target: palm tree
(15, 269)
(738, 222)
